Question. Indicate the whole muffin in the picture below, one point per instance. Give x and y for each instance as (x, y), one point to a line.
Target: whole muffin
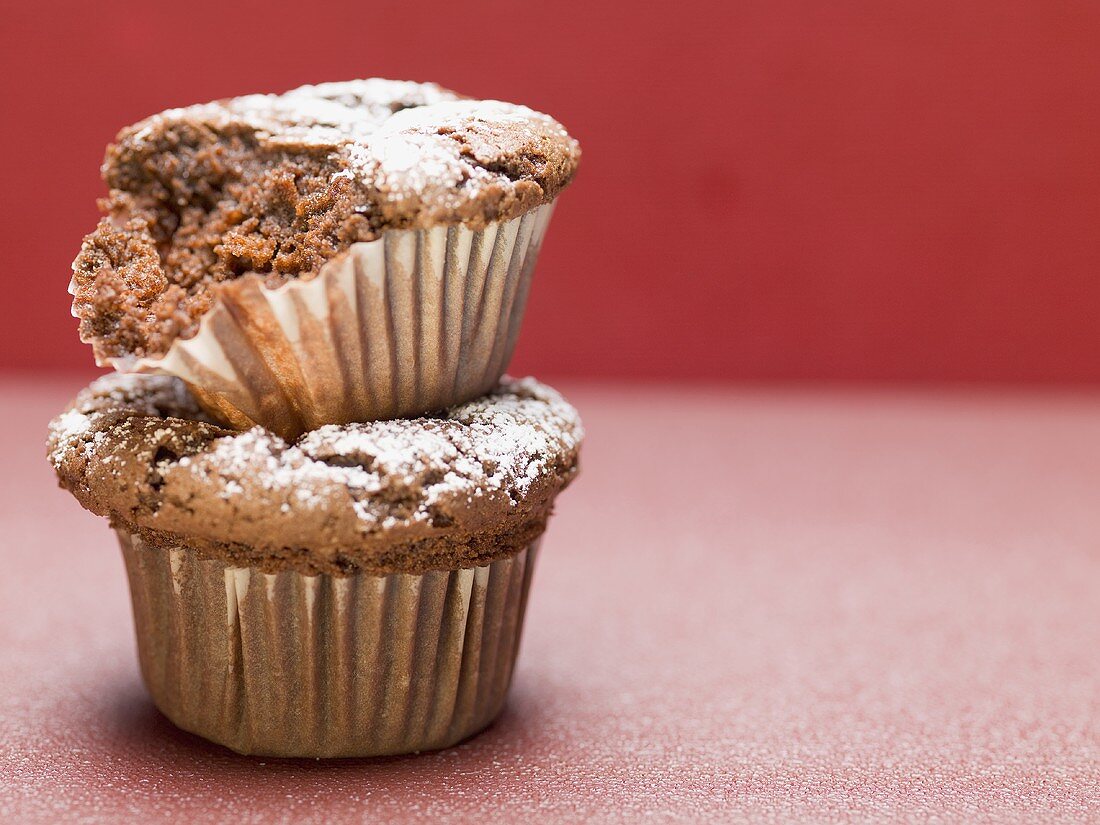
(341, 252)
(357, 592)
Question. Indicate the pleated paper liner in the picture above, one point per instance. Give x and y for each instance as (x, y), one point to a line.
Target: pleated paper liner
(291, 665)
(410, 323)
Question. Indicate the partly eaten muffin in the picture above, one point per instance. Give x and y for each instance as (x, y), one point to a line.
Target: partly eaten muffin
(276, 185)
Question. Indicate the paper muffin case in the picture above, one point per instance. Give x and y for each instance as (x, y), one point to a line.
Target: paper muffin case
(291, 665)
(410, 323)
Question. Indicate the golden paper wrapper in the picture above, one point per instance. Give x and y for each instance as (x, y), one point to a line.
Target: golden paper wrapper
(410, 323)
(284, 664)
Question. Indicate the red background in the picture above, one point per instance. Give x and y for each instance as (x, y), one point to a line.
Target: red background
(771, 189)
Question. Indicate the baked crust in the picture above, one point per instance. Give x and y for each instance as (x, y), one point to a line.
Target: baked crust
(472, 484)
(279, 184)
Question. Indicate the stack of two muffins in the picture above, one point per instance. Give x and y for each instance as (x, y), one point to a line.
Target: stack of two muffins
(328, 500)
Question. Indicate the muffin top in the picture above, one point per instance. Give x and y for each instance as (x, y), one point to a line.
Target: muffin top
(459, 489)
(278, 184)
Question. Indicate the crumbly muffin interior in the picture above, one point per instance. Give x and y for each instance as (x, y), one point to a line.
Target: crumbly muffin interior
(193, 211)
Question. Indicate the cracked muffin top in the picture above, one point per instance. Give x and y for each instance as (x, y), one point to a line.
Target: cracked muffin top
(474, 483)
(278, 184)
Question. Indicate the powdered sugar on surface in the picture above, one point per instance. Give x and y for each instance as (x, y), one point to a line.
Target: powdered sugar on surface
(70, 424)
(398, 138)
(387, 472)
(500, 443)
(80, 429)
(320, 115)
(69, 431)
(411, 153)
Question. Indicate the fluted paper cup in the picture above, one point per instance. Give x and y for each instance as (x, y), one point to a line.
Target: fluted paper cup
(284, 664)
(410, 323)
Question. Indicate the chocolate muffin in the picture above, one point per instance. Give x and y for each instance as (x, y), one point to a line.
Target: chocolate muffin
(359, 591)
(341, 252)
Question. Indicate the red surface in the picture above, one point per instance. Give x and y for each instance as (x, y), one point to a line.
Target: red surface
(762, 607)
(770, 189)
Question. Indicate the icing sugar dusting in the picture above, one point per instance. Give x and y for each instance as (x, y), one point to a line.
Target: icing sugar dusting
(411, 155)
(70, 424)
(79, 430)
(68, 431)
(501, 443)
(325, 114)
(401, 139)
(382, 473)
